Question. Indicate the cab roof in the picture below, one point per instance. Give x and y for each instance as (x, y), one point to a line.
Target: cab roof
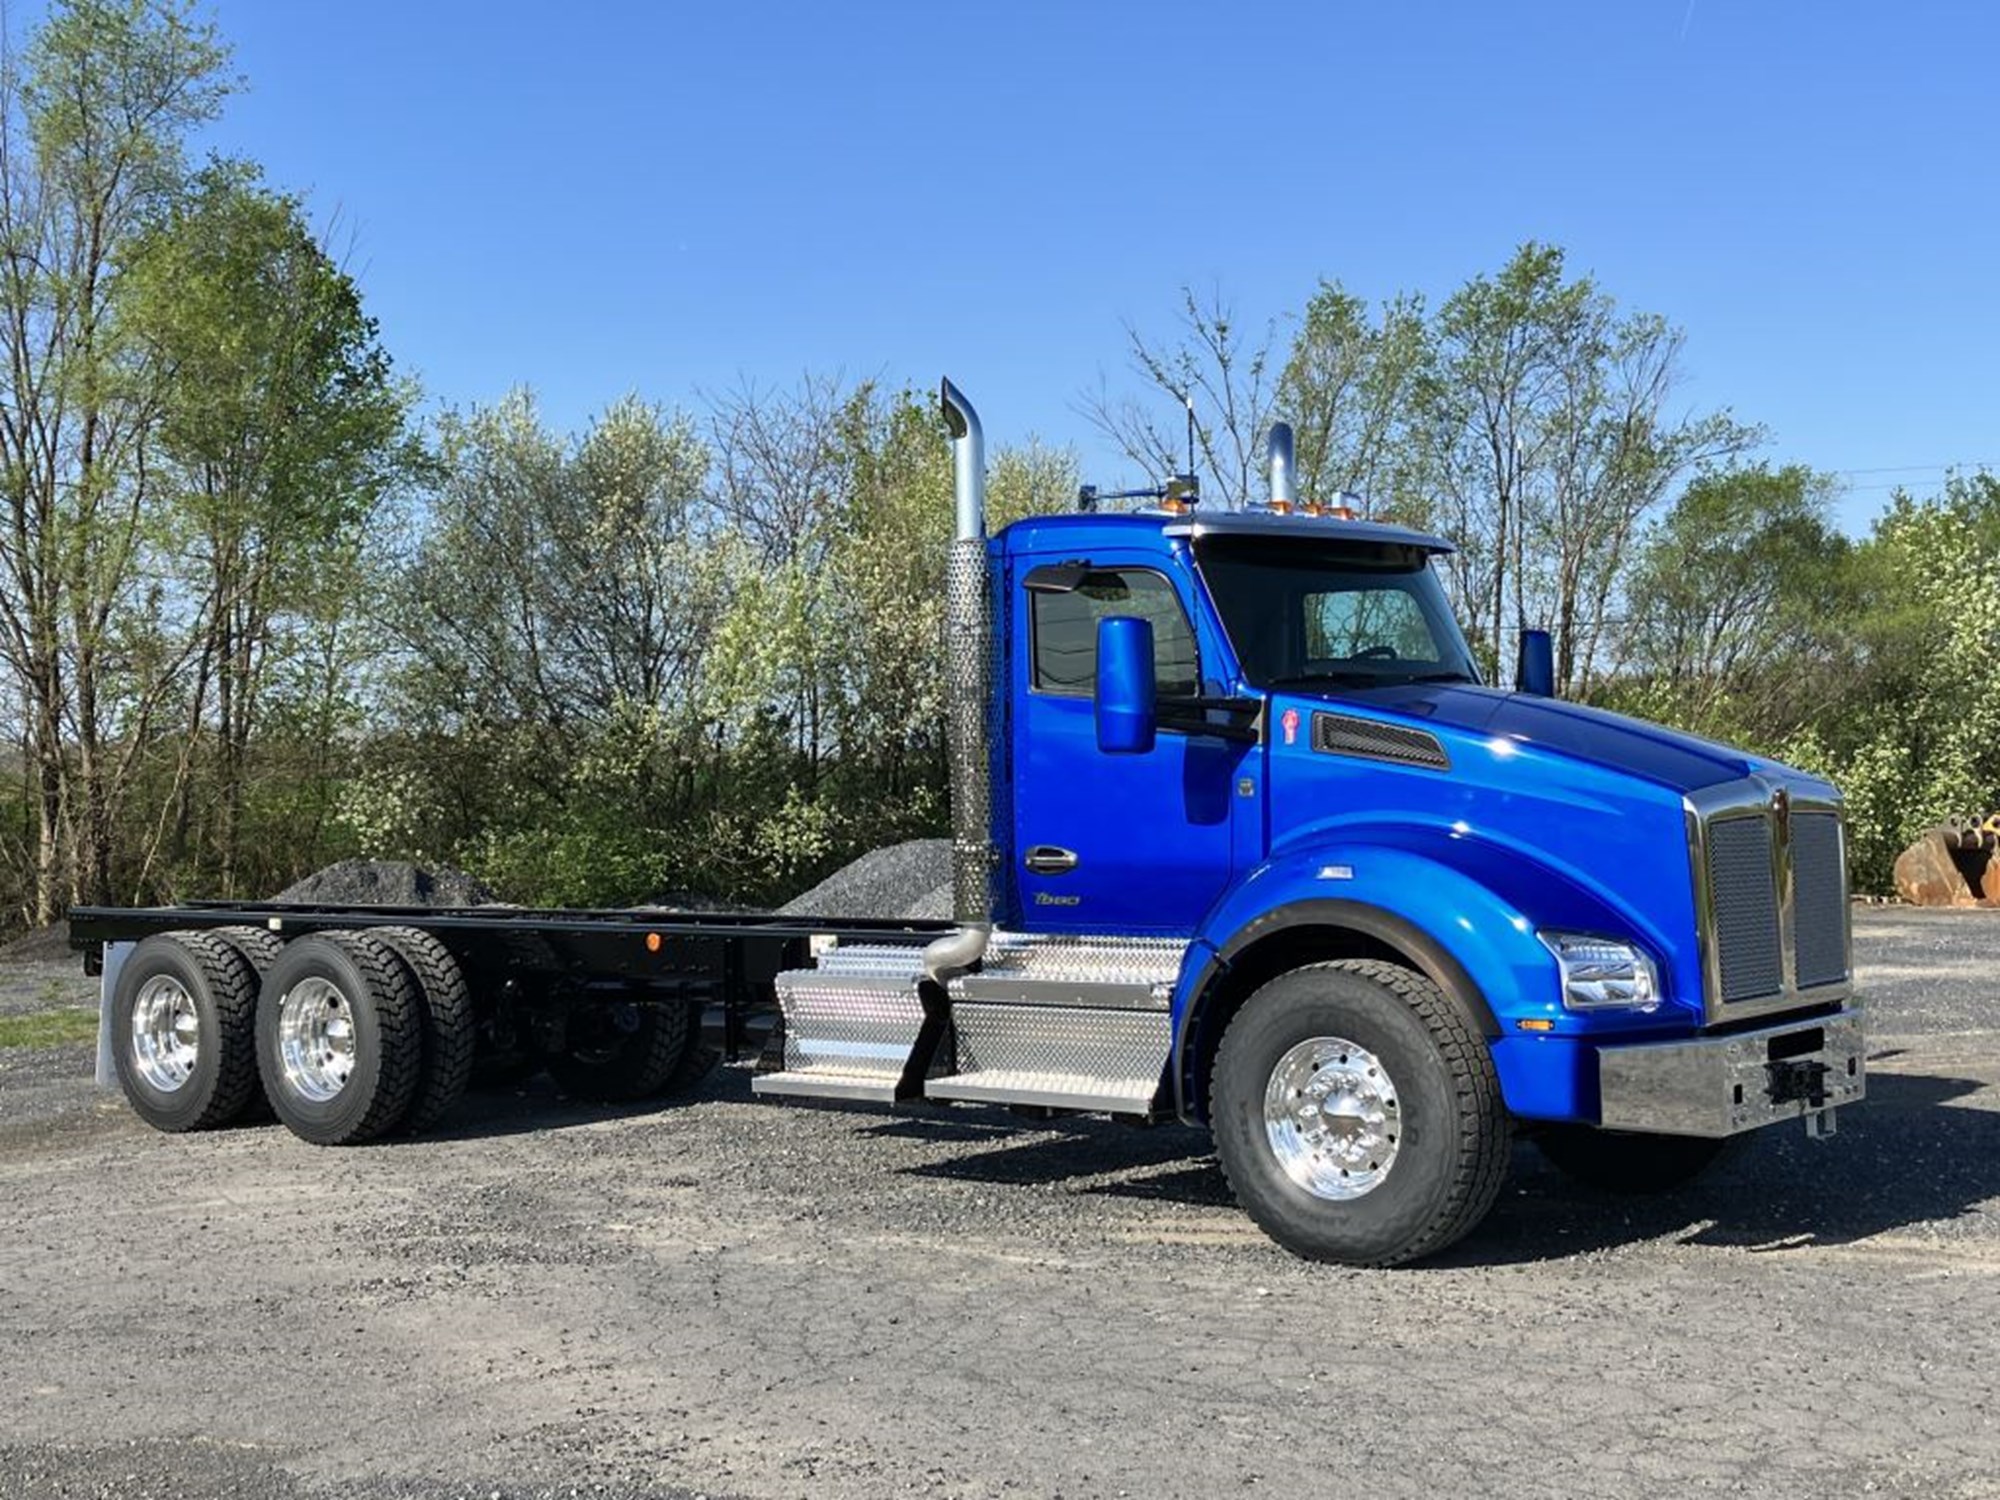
(1101, 528)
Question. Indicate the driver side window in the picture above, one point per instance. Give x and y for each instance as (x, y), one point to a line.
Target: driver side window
(1065, 632)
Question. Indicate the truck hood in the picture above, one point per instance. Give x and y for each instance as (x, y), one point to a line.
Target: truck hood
(1682, 762)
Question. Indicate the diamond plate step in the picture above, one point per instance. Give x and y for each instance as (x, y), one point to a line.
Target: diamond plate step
(866, 1087)
(1084, 960)
(1075, 1091)
(1065, 1056)
(881, 960)
(1079, 1023)
(852, 1026)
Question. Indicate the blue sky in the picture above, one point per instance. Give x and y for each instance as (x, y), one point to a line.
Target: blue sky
(601, 197)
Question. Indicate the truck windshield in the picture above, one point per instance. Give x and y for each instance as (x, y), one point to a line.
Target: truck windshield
(1301, 613)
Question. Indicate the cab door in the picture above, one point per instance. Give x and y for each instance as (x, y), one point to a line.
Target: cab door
(1112, 843)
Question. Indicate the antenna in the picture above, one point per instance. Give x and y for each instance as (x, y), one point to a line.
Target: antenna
(1188, 399)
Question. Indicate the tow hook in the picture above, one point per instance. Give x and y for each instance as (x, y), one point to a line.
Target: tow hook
(1802, 1080)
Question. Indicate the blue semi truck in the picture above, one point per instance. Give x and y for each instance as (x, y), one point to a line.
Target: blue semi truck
(1239, 837)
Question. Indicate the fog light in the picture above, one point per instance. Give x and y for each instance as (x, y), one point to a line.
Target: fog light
(1603, 974)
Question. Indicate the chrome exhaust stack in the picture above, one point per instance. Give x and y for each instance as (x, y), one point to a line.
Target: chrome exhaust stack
(1284, 473)
(967, 690)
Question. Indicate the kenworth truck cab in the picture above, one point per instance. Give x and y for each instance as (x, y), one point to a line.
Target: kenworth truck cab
(1242, 836)
(1239, 837)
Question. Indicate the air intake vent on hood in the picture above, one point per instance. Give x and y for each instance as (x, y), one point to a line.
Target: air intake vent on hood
(1338, 734)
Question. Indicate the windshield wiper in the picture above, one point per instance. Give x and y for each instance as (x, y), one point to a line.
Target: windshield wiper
(1305, 679)
(1364, 679)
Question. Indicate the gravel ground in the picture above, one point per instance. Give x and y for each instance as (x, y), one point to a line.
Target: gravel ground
(736, 1298)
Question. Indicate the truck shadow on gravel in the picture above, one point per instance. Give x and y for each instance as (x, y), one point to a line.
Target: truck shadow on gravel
(1909, 1156)
(537, 1106)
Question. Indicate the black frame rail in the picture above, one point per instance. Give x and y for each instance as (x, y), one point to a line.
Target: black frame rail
(726, 958)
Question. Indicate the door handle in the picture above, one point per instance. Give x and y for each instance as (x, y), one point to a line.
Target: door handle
(1047, 859)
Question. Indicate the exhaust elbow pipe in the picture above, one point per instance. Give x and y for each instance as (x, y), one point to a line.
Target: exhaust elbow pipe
(956, 952)
(968, 693)
(1284, 473)
(968, 462)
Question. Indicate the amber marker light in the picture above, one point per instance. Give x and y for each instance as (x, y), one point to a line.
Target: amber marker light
(652, 942)
(1537, 1024)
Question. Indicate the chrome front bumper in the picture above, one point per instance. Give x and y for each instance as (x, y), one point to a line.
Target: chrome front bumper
(1723, 1085)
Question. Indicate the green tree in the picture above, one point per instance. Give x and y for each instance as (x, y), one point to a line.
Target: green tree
(1912, 731)
(1349, 388)
(91, 137)
(1734, 606)
(552, 621)
(282, 430)
(1549, 439)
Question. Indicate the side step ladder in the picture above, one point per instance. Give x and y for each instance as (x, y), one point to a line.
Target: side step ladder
(1065, 1023)
(855, 1027)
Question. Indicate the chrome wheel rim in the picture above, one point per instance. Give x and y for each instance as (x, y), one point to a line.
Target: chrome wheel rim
(166, 1034)
(1333, 1118)
(316, 1039)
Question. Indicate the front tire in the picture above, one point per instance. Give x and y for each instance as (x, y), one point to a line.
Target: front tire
(1357, 1115)
(339, 1038)
(1630, 1164)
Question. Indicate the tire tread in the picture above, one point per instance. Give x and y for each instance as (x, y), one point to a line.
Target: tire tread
(232, 983)
(450, 1032)
(259, 945)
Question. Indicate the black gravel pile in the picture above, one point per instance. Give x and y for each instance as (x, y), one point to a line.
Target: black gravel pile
(911, 879)
(386, 882)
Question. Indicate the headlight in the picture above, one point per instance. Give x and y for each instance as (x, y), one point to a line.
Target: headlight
(1603, 974)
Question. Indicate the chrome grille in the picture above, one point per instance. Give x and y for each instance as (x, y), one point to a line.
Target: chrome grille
(1746, 909)
(1819, 883)
(1771, 886)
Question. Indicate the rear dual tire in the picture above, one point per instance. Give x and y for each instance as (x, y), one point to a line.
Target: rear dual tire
(340, 1028)
(352, 1034)
(619, 1051)
(183, 1026)
(450, 1029)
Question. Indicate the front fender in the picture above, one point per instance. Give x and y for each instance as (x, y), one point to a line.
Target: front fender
(1466, 913)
